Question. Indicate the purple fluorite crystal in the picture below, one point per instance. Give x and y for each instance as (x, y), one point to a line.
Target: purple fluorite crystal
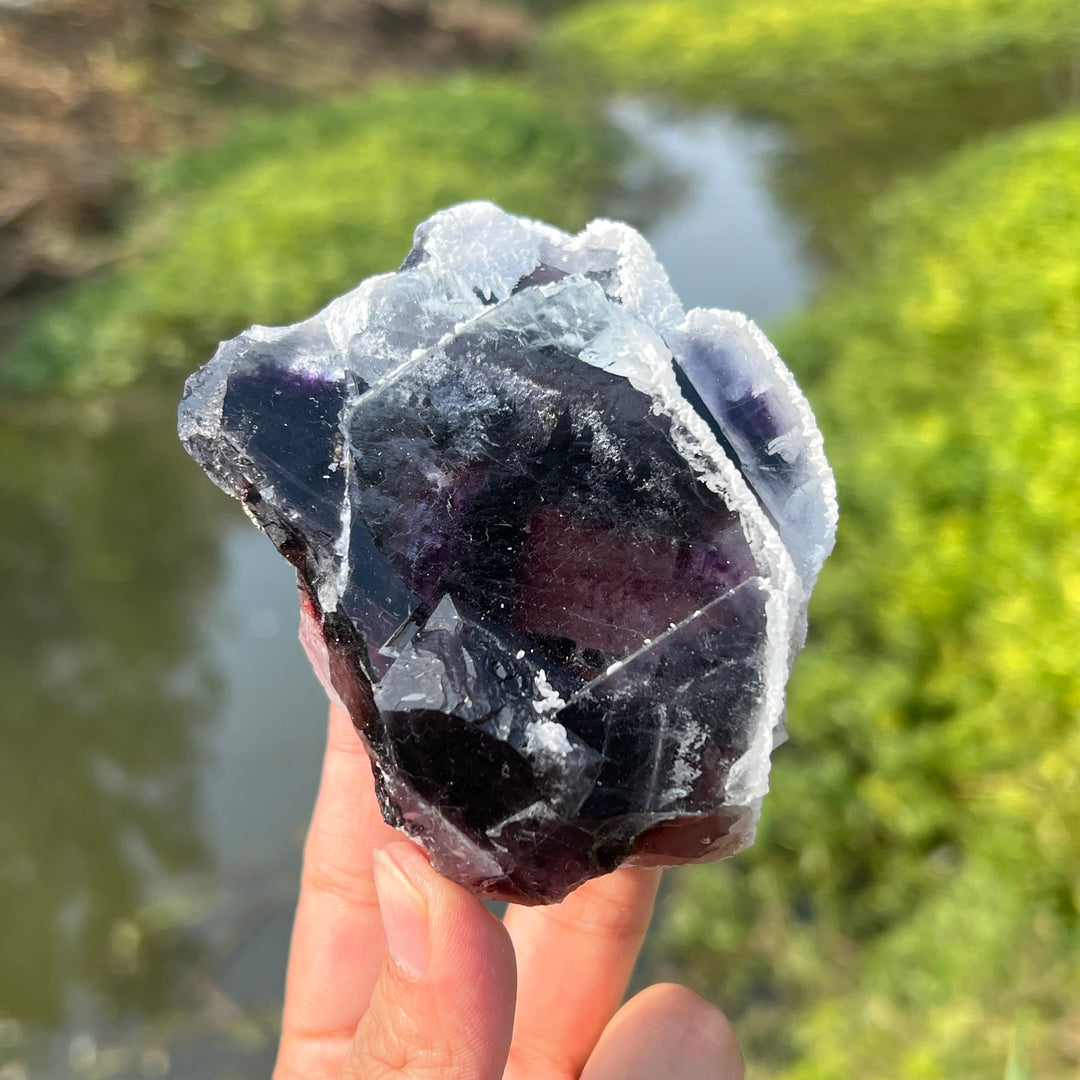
(554, 537)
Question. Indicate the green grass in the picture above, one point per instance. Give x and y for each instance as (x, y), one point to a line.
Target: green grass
(295, 208)
(913, 899)
(754, 51)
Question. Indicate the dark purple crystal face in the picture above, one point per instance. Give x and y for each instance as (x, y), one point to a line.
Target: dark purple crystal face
(558, 568)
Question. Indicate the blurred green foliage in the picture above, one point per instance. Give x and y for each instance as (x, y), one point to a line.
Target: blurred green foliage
(296, 207)
(866, 91)
(753, 50)
(912, 903)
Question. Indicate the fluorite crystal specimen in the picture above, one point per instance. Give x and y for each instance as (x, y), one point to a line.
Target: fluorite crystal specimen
(554, 537)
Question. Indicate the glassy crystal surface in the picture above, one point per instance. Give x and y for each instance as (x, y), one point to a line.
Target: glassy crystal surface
(554, 537)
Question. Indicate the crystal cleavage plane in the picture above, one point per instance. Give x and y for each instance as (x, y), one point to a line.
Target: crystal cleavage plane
(554, 536)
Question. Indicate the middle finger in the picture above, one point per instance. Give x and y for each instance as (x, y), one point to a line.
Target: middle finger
(574, 961)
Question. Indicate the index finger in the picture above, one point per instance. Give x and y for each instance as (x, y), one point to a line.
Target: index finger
(337, 944)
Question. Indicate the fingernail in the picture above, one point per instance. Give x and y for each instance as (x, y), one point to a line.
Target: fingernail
(403, 908)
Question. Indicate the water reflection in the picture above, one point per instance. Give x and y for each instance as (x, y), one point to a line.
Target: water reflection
(706, 208)
(107, 558)
(262, 757)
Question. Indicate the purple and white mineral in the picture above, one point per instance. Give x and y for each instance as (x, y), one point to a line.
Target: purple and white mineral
(555, 540)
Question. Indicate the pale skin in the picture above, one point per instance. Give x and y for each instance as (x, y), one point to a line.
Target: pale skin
(396, 973)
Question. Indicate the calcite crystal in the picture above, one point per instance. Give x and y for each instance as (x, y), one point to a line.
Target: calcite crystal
(554, 537)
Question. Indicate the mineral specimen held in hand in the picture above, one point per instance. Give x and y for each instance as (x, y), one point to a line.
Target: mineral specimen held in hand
(554, 536)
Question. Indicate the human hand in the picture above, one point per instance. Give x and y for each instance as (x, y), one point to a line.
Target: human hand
(396, 972)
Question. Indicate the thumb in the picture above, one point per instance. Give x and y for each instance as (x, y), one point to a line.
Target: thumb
(443, 1005)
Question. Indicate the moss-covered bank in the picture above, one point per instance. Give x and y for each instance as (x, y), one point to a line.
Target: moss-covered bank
(297, 207)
